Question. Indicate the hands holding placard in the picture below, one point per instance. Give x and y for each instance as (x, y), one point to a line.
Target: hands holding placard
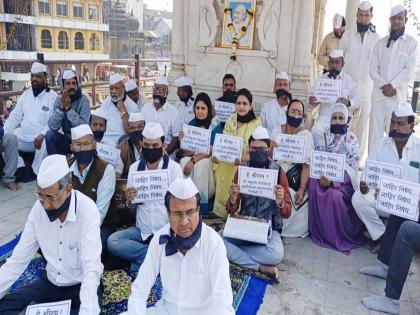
(364, 189)
(215, 160)
(325, 182)
(130, 194)
(313, 101)
(234, 193)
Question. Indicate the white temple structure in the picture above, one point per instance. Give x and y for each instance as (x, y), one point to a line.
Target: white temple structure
(287, 35)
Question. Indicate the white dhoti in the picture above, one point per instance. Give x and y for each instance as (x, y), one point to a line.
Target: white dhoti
(364, 205)
(362, 127)
(380, 119)
(297, 224)
(321, 127)
(202, 176)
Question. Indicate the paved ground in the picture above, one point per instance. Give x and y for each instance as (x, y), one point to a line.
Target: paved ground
(314, 280)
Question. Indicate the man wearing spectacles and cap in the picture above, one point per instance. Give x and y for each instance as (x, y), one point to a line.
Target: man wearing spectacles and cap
(131, 244)
(64, 224)
(190, 258)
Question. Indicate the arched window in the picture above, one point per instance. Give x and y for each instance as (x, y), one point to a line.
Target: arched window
(94, 42)
(79, 41)
(46, 39)
(63, 40)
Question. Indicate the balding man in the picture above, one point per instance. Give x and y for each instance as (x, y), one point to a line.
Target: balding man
(185, 104)
(273, 113)
(117, 108)
(392, 67)
(64, 224)
(134, 94)
(190, 258)
(164, 113)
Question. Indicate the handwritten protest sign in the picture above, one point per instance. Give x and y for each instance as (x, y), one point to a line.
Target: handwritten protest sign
(398, 197)
(196, 139)
(375, 169)
(152, 185)
(227, 148)
(327, 90)
(290, 149)
(224, 110)
(55, 308)
(108, 154)
(257, 181)
(329, 165)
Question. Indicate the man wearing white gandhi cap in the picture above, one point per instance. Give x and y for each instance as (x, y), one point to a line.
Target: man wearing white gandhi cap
(348, 96)
(29, 119)
(357, 46)
(401, 147)
(94, 177)
(273, 113)
(185, 104)
(131, 244)
(391, 69)
(161, 111)
(117, 108)
(133, 92)
(131, 147)
(190, 258)
(64, 224)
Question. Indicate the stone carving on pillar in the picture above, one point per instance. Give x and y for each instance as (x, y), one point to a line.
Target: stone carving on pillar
(208, 24)
(267, 27)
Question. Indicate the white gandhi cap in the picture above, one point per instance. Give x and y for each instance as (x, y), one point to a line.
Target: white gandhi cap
(98, 113)
(365, 5)
(183, 81)
(338, 20)
(404, 109)
(336, 53)
(115, 78)
(68, 74)
(153, 130)
(130, 85)
(53, 168)
(260, 133)
(80, 131)
(282, 76)
(397, 9)
(162, 80)
(134, 117)
(183, 188)
(38, 68)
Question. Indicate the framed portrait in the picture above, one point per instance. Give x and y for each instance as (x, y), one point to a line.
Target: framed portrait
(239, 23)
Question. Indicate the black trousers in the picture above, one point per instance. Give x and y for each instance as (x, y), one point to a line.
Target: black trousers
(43, 291)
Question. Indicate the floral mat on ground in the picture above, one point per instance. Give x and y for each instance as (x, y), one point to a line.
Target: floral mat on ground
(248, 286)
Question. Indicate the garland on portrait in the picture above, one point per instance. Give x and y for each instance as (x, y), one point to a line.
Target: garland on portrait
(236, 37)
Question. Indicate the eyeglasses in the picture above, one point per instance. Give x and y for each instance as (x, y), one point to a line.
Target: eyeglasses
(179, 216)
(50, 199)
(81, 145)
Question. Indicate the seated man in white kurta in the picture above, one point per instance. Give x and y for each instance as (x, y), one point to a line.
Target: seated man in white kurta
(190, 258)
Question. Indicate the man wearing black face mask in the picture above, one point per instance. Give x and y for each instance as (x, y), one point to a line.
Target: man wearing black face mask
(402, 148)
(70, 110)
(131, 244)
(163, 112)
(392, 67)
(357, 46)
(265, 257)
(64, 224)
(131, 147)
(273, 113)
(94, 177)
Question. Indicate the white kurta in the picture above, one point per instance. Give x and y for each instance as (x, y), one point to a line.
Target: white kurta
(386, 151)
(167, 116)
(152, 215)
(394, 65)
(322, 124)
(32, 114)
(114, 124)
(71, 248)
(195, 284)
(273, 115)
(357, 57)
(186, 113)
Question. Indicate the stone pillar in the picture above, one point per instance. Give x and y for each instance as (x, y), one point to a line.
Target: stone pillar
(178, 42)
(351, 11)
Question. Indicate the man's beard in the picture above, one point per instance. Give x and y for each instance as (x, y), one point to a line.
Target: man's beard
(37, 88)
(337, 35)
(115, 97)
